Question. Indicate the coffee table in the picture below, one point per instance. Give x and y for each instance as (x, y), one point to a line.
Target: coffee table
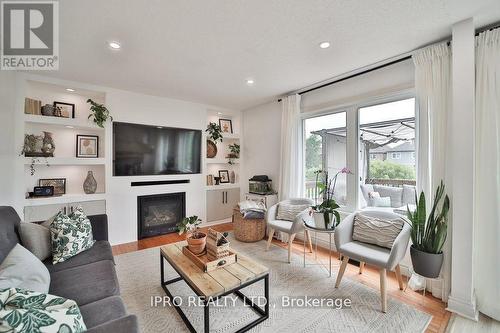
(210, 286)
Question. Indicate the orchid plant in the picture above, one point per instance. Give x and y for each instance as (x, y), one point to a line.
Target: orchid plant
(325, 187)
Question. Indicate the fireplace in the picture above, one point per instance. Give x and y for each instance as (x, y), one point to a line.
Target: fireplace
(158, 214)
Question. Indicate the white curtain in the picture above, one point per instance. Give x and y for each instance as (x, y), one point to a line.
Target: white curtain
(291, 162)
(487, 178)
(433, 103)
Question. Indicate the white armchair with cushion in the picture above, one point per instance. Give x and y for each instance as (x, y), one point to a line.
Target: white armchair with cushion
(385, 259)
(288, 218)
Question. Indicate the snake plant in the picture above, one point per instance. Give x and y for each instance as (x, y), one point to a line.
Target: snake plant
(429, 235)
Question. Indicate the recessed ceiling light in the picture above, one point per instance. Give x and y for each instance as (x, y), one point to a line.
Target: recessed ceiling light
(159, 127)
(250, 82)
(114, 45)
(68, 126)
(324, 45)
(219, 113)
(70, 89)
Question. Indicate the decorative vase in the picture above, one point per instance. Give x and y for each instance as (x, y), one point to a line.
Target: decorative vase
(90, 184)
(232, 177)
(211, 149)
(48, 110)
(197, 245)
(426, 264)
(324, 220)
(48, 146)
(217, 180)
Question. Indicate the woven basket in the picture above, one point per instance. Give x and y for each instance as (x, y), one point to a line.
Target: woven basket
(215, 252)
(248, 230)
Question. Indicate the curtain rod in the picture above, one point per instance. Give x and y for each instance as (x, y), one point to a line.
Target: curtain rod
(393, 62)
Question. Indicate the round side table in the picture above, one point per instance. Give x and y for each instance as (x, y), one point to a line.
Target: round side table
(411, 271)
(309, 226)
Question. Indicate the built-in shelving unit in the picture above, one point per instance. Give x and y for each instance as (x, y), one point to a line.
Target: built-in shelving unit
(64, 163)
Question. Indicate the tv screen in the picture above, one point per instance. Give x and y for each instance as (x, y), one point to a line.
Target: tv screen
(140, 150)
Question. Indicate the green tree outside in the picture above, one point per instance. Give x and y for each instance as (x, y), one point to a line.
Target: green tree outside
(389, 170)
(313, 155)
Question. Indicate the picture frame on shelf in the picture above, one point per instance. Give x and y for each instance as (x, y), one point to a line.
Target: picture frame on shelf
(224, 176)
(64, 110)
(87, 146)
(59, 184)
(226, 125)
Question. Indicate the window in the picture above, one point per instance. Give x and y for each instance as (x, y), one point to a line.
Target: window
(373, 156)
(395, 156)
(388, 129)
(325, 149)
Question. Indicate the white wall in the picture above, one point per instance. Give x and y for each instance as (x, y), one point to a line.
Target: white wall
(262, 136)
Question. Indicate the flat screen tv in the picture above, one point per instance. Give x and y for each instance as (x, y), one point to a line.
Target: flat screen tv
(141, 150)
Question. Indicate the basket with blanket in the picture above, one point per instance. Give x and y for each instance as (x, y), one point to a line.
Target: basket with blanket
(248, 220)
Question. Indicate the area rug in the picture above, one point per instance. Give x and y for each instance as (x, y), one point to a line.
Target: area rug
(139, 276)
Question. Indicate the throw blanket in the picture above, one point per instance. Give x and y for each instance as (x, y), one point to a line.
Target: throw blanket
(252, 209)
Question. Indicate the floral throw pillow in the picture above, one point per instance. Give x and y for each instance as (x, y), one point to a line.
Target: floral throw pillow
(24, 311)
(70, 235)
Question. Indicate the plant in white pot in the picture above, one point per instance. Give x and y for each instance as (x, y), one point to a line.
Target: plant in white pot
(196, 239)
(325, 214)
(428, 234)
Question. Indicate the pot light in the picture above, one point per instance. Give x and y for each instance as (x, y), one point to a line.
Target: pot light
(159, 127)
(114, 45)
(70, 89)
(324, 45)
(219, 113)
(68, 126)
(250, 82)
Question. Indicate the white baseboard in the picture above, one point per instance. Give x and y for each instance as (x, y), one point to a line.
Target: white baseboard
(463, 308)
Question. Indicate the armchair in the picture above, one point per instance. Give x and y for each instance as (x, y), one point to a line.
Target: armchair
(383, 258)
(289, 227)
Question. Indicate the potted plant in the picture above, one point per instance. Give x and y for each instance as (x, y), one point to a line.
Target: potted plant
(196, 239)
(214, 134)
(325, 212)
(99, 113)
(428, 235)
(234, 152)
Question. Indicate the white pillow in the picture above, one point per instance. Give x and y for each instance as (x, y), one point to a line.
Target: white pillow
(381, 202)
(21, 269)
(289, 212)
(373, 230)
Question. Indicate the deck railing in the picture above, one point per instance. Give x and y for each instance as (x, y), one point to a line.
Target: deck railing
(390, 182)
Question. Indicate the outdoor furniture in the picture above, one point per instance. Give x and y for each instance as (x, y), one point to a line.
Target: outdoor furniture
(289, 227)
(383, 258)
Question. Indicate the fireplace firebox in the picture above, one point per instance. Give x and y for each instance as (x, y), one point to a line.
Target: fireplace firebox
(158, 214)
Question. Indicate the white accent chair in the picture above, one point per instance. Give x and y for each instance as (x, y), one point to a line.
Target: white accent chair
(289, 227)
(383, 258)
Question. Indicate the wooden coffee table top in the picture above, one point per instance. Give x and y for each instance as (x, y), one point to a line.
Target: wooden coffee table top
(217, 282)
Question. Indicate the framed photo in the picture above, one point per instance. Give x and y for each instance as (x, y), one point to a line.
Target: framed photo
(59, 184)
(64, 110)
(226, 125)
(224, 176)
(87, 146)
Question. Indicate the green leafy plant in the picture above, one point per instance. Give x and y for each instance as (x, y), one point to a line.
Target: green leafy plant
(428, 235)
(234, 152)
(99, 113)
(214, 132)
(190, 225)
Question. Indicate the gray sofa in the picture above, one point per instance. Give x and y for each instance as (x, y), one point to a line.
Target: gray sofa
(88, 278)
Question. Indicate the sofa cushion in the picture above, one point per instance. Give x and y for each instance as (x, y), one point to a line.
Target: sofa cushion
(9, 221)
(86, 283)
(28, 311)
(289, 212)
(36, 238)
(409, 192)
(381, 201)
(70, 234)
(101, 250)
(365, 190)
(396, 194)
(21, 269)
(102, 311)
(376, 231)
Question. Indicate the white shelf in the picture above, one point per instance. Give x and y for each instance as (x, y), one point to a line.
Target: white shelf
(221, 161)
(230, 136)
(66, 161)
(222, 187)
(64, 199)
(78, 123)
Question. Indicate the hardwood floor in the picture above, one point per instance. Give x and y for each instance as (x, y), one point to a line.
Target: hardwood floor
(370, 276)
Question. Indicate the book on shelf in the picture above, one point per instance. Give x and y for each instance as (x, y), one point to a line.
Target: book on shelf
(32, 106)
(210, 180)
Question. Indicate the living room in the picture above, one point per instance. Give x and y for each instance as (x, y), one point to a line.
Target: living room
(320, 166)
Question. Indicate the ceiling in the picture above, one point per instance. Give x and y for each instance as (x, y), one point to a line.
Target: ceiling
(203, 51)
